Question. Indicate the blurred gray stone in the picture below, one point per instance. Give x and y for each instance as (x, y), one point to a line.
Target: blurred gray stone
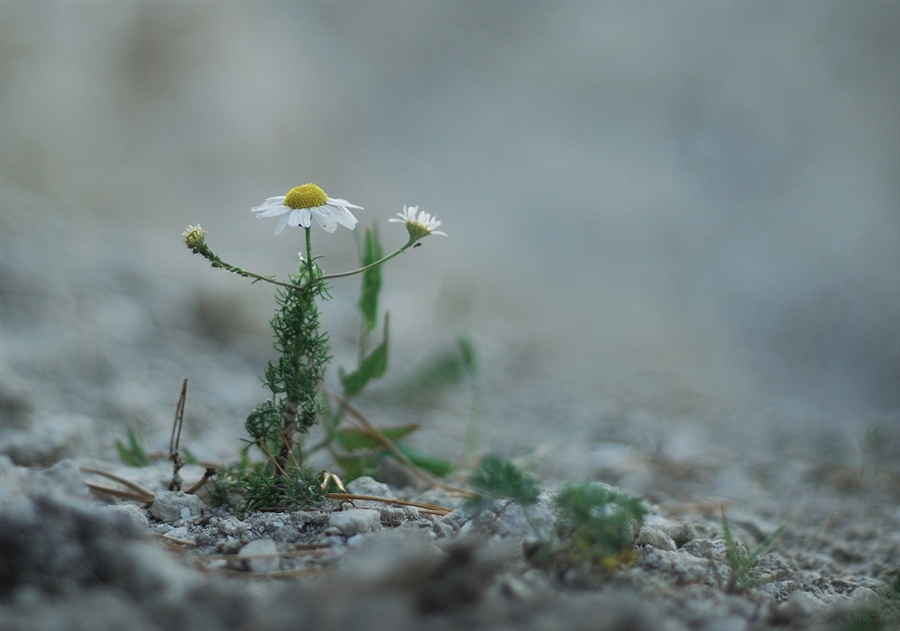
(265, 548)
(173, 507)
(368, 486)
(232, 526)
(132, 513)
(651, 536)
(355, 521)
(54, 539)
(799, 607)
(680, 531)
(392, 557)
(48, 439)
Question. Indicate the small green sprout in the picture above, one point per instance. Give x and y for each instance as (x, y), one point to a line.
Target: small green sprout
(134, 454)
(740, 561)
(597, 524)
(496, 478)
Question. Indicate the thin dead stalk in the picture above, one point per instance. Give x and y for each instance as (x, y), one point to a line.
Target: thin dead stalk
(175, 441)
(389, 444)
(430, 508)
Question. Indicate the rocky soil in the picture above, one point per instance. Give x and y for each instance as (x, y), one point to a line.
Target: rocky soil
(94, 342)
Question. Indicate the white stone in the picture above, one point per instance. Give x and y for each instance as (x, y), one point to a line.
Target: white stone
(132, 513)
(355, 521)
(170, 506)
(655, 538)
(263, 556)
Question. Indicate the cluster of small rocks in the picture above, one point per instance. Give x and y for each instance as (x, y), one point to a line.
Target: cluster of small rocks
(71, 562)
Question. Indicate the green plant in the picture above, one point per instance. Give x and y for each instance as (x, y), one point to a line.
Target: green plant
(134, 454)
(296, 403)
(596, 524)
(361, 450)
(496, 478)
(226, 484)
(740, 561)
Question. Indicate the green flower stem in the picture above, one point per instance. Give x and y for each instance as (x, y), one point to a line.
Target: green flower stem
(309, 259)
(409, 244)
(294, 412)
(206, 252)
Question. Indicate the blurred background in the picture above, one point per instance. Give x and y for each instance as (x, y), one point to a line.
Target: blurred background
(653, 209)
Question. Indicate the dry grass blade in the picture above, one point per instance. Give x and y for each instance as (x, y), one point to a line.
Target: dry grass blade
(262, 445)
(127, 495)
(389, 444)
(432, 509)
(274, 574)
(117, 478)
(207, 476)
(311, 552)
(174, 540)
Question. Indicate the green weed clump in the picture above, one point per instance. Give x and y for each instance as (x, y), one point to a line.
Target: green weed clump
(496, 479)
(594, 527)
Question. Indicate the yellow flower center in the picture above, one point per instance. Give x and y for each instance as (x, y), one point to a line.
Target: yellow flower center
(306, 196)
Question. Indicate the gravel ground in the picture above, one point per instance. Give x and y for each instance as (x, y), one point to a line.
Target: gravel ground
(94, 343)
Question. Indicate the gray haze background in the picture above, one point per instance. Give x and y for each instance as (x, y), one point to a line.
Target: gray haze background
(694, 197)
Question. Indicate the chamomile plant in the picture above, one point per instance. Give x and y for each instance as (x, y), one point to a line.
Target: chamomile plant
(296, 400)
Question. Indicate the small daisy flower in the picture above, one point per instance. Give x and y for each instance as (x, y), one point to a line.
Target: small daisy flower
(418, 224)
(302, 204)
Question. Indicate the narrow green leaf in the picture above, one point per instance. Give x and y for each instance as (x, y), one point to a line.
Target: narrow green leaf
(444, 370)
(124, 454)
(371, 281)
(352, 439)
(189, 457)
(134, 455)
(372, 367)
(438, 466)
(467, 354)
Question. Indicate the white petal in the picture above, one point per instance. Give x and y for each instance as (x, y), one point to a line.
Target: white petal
(271, 212)
(269, 203)
(343, 217)
(324, 218)
(282, 223)
(344, 203)
(300, 217)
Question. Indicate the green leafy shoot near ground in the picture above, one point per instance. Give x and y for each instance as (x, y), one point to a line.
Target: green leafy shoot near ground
(597, 525)
(496, 479)
(134, 454)
(594, 527)
(297, 400)
(740, 561)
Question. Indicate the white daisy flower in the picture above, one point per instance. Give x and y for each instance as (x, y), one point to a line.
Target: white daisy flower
(302, 204)
(418, 224)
